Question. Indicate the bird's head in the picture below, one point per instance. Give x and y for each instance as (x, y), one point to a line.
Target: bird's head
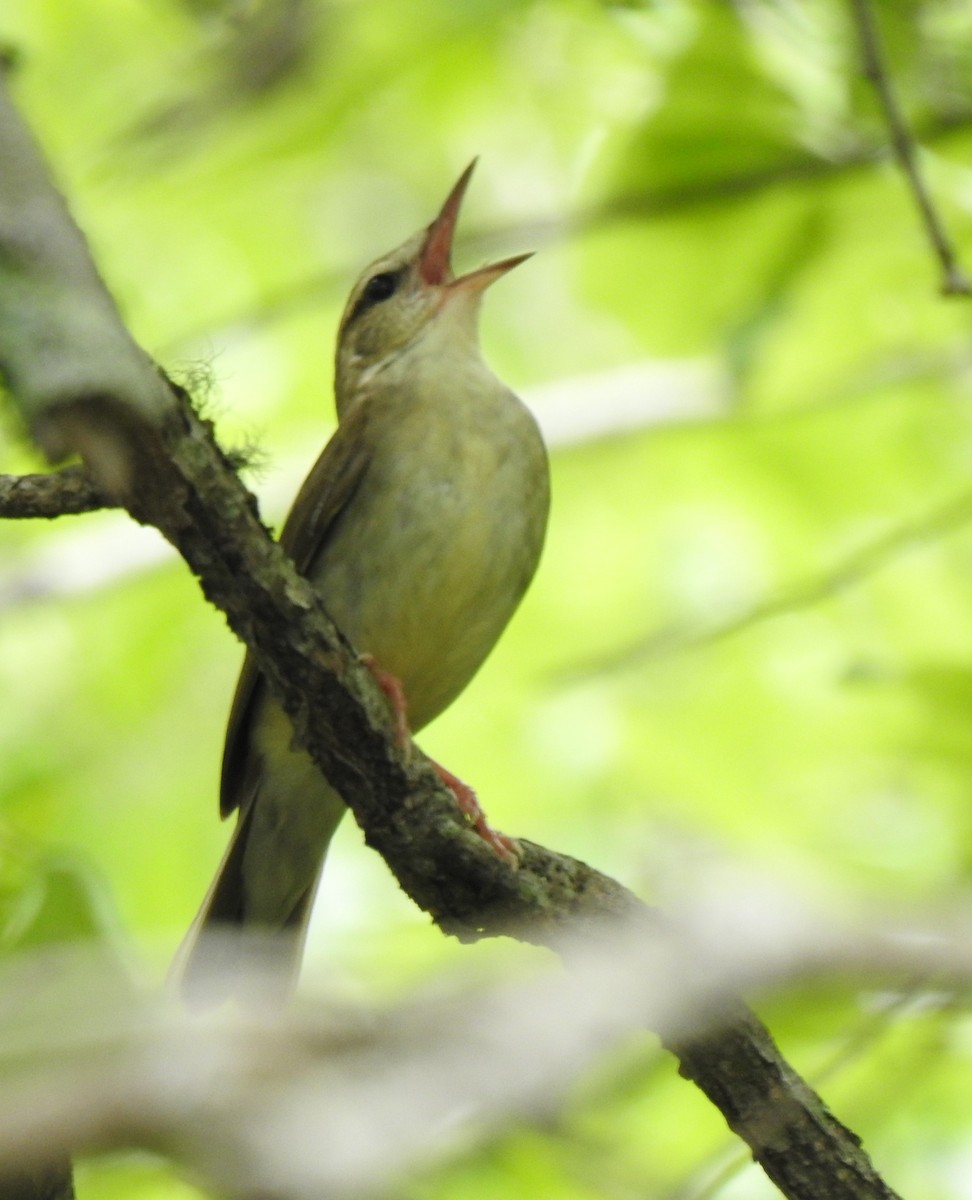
(405, 294)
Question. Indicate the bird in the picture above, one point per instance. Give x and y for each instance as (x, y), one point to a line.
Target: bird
(421, 525)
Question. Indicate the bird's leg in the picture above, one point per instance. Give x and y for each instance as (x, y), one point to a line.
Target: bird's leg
(506, 847)
(391, 685)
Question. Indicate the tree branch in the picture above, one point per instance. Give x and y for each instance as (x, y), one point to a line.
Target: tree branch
(96, 1065)
(84, 387)
(59, 494)
(955, 282)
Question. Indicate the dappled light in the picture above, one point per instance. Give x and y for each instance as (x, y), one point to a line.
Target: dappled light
(740, 683)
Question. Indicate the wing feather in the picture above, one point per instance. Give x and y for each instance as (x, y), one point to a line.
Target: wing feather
(324, 495)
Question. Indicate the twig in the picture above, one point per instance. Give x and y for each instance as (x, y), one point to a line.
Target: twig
(955, 282)
(59, 494)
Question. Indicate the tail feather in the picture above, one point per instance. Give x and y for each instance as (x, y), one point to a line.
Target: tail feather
(226, 954)
(248, 938)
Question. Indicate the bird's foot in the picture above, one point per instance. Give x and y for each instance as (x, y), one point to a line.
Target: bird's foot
(506, 847)
(391, 685)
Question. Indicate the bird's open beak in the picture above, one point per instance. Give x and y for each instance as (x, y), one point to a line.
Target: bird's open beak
(480, 279)
(435, 259)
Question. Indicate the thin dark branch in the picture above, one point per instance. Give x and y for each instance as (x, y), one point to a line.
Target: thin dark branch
(58, 494)
(955, 282)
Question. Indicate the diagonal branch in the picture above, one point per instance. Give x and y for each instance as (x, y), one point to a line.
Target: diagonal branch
(93, 392)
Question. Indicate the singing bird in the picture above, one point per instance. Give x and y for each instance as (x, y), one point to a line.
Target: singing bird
(421, 524)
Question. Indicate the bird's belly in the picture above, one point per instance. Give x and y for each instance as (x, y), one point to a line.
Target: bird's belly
(429, 586)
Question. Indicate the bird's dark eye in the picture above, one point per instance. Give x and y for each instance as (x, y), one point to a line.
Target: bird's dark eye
(379, 287)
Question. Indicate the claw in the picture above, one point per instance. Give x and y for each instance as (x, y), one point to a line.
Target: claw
(506, 847)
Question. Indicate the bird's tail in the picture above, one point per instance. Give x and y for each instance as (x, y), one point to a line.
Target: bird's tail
(226, 953)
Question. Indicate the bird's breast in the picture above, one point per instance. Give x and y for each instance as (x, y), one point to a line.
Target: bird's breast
(439, 544)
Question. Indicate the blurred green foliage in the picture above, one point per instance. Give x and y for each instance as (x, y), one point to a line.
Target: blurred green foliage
(751, 637)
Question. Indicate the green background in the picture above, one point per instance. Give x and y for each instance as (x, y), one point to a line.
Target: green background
(747, 657)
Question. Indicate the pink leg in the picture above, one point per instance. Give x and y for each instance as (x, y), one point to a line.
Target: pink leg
(506, 847)
(391, 685)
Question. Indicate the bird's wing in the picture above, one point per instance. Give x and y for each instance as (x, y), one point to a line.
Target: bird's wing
(325, 494)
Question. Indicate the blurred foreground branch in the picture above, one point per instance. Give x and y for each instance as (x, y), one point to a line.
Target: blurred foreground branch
(84, 387)
(247, 1103)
